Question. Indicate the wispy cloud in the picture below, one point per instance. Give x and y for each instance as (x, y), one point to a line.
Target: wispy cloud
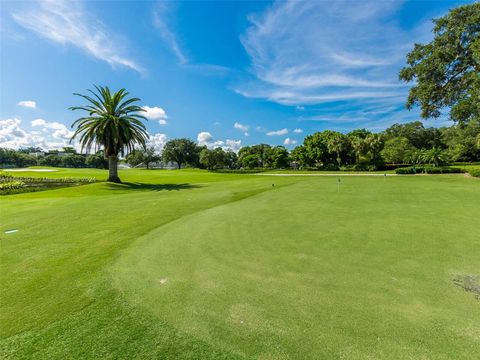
(311, 52)
(161, 12)
(67, 23)
(162, 15)
(289, 141)
(278, 132)
(242, 127)
(28, 104)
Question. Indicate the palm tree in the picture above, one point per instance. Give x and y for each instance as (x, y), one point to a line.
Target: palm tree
(113, 122)
(434, 156)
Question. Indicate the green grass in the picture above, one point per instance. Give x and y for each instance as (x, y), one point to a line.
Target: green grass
(194, 265)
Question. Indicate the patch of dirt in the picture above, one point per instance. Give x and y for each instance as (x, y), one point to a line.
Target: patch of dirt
(469, 283)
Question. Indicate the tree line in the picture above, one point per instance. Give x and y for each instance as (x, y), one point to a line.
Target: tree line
(400, 144)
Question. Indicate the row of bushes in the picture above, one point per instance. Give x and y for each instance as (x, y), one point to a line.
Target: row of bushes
(474, 171)
(428, 170)
(8, 178)
(11, 185)
(240, 171)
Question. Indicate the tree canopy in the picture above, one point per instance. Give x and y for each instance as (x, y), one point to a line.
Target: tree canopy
(446, 71)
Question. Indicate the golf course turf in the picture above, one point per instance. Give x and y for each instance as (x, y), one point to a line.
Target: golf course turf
(188, 264)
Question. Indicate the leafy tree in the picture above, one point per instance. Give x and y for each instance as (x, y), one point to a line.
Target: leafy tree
(51, 160)
(72, 161)
(69, 149)
(397, 150)
(262, 151)
(142, 156)
(461, 141)
(280, 159)
(299, 157)
(231, 159)
(374, 145)
(180, 151)
(113, 122)
(250, 161)
(418, 136)
(434, 156)
(97, 160)
(446, 71)
(212, 159)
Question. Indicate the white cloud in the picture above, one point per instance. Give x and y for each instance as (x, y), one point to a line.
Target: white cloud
(53, 136)
(28, 104)
(289, 141)
(155, 113)
(312, 52)
(241, 127)
(60, 131)
(204, 138)
(67, 23)
(157, 141)
(38, 122)
(298, 131)
(278, 132)
(161, 13)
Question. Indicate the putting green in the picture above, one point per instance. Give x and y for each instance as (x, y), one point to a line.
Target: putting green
(188, 264)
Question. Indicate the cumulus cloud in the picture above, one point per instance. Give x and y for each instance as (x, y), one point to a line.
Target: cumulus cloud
(28, 104)
(53, 135)
(204, 138)
(57, 130)
(67, 23)
(155, 113)
(298, 131)
(278, 132)
(157, 141)
(289, 141)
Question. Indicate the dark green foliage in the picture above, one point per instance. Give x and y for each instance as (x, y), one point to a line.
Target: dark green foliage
(143, 157)
(181, 151)
(474, 171)
(446, 71)
(96, 160)
(427, 170)
(212, 159)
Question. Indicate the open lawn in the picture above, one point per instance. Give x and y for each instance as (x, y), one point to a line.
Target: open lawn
(195, 265)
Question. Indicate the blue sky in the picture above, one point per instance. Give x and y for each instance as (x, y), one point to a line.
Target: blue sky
(223, 73)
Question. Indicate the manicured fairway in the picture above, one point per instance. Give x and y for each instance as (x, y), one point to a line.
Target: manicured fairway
(194, 265)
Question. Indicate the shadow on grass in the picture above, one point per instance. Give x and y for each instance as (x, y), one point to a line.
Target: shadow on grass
(127, 186)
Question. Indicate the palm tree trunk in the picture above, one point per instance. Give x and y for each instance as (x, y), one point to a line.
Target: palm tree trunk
(113, 169)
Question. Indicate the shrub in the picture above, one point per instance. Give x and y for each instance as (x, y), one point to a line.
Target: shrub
(443, 170)
(409, 170)
(11, 185)
(427, 170)
(474, 172)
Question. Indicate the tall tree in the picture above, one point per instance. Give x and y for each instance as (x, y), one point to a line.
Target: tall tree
(180, 151)
(447, 70)
(142, 156)
(113, 122)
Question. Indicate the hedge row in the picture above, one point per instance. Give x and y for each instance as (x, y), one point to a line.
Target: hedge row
(240, 171)
(428, 170)
(474, 172)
